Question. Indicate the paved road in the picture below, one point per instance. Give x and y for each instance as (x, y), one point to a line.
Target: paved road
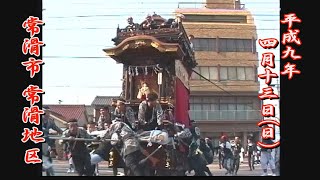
(61, 167)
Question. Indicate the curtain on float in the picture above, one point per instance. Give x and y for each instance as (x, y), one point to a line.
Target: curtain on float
(182, 104)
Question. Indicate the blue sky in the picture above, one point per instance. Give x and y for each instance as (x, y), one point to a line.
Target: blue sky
(76, 69)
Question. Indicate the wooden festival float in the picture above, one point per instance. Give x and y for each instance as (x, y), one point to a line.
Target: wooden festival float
(156, 59)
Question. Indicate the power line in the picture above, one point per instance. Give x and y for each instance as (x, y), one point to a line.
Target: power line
(75, 57)
(183, 2)
(211, 82)
(129, 14)
(93, 87)
(124, 18)
(250, 29)
(224, 85)
(106, 57)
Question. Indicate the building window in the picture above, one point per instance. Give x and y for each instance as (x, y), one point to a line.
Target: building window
(222, 103)
(213, 73)
(226, 73)
(216, 18)
(235, 45)
(224, 108)
(249, 73)
(204, 44)
(194, 75)
(223, 73)
(236, 73)
(206, 71)
(254, 45)
(232, 73)
(224, 45)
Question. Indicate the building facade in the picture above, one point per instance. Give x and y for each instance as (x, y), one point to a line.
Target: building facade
(225, 49)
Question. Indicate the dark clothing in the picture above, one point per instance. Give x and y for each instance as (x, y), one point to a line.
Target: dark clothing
(198, 163)
(210, 146)
(48, 124)
(220, 158)
(236, 149)
(152, 124)
(236, 164)
(195, 131)
(226, 151)
(132, 27)
(102, 120)
(83, 165)
(80, 153)
(251, 148)
(266, 141)
(251, 161)
(132, 162)
(78, 147)
(129, 141)
(150, 25)
(127, 117)
(206, 150)
(103, 150)
(150, 117)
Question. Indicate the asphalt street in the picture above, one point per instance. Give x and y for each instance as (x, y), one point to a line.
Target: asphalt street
(61, 167)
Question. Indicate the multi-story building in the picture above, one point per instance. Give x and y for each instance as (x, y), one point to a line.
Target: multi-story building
(225, 49)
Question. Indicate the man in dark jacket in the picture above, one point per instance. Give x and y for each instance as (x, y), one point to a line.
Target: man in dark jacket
(47, 124)
(236, 149)
(251, 150)
(78, 149)
(150, 112)
(124, 113)
(227, 155)
(196, 157)
(102, 153)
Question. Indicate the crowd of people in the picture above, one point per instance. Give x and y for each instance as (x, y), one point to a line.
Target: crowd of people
(84, 156)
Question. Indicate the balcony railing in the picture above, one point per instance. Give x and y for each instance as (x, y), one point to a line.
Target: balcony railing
(226, 115)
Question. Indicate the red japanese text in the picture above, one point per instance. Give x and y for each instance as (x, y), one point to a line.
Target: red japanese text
(290, 52)
(33, 66)
(33, 135)
(268, 75)
(31, 156)
(291, 37)
(290, 70)
(31, 94)
(268, 43)
(268, 132)
(289, 19)
(32, 115)
(31, 25)
(268, 60)
(32, 46)
(267, 93)
(268, 110)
